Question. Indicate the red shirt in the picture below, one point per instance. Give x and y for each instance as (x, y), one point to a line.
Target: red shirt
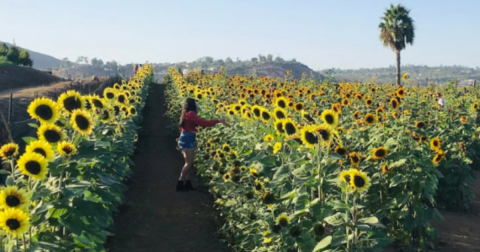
(192, 121)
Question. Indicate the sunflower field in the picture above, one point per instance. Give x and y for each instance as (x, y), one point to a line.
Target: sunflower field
(62, 190)
(310, 166)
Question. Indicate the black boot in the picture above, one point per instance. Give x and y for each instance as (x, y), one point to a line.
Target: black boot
(180, 186)
(188, 186)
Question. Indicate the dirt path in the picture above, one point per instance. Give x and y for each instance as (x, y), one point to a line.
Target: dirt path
(155, 217)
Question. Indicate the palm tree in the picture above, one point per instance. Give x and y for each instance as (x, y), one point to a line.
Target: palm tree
(396, 31)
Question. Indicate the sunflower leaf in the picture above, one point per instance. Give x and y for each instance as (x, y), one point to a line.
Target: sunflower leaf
(27, 140)
(398, 163)
(33, 125)
(325, 242)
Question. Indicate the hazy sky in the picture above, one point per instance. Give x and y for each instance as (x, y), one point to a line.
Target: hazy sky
(321, 34)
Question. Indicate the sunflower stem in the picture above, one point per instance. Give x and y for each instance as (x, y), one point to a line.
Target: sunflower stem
(13, 169)
(347, 230)
(24, 243)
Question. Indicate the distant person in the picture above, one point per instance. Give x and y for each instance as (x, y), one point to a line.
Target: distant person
(189, 121)
(135, 69)
(441, 101)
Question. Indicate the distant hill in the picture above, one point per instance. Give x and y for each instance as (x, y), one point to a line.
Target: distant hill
(417, 74)
(40, 60)
(18, 77)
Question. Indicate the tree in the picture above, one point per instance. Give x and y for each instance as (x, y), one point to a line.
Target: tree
(262, 58)
(254, 60)
(94, 62)
(219, 62)
(24, 58)
(100, 63)
(228, 60)
(279, 60)
(396, 31)
(269, 58)
(3, 49)
(85, 59)
(13, 55)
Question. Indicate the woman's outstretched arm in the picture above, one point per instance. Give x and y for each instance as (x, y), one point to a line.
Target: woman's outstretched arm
(193, 117)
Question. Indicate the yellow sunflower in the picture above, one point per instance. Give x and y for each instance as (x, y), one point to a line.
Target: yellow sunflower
(438, 157)
(400, 92)
(359, 180)
(279, 127)
(435, 143)
(81, 121)
(41, 147)
(33, 165)
(109, 93)
(265, 114)
(380, 152)
(341, 150)
(279, 113)
(43, 109)
(71, 100)
(50, 133)
(12, 197)
(97, 102)
(122, 98)
(283, 220)
(132, 111)
(325, 133)
(66, 149)
(106, 115)
(394, 103)
(9, 151)
(330, 118)
(369, 119)
(226, 148)
(290, 127)
(14, 221)
(386, 169)
(355, 158)
(299, 106)
(309, 136)
(257, 111)
(268, 138)
(463, 119)
(345, 176)
(277, 147)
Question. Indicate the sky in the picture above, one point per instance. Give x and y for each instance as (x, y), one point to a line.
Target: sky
(321, 34)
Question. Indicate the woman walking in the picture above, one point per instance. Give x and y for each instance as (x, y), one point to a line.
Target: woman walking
(189, 121)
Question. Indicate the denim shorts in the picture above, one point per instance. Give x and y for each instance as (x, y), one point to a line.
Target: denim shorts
(187, 140)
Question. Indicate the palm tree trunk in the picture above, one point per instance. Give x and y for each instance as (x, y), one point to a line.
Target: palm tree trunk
(397, 52)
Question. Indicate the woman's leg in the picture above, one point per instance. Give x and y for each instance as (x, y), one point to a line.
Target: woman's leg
(188, 155)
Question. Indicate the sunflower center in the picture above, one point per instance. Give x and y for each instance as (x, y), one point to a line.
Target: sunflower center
(13, 224)
(110, 95)
(265, 115)
(256, 112)
(133, 111)
(12, 201)
(121, 98)
(311, 138)
(329, 119)
(341, 151)
(71, 103)
(82, 122)
(324, 134)
(97, 103)
(40, 151)
(67, 149)
(355, 159)
(105, 115)
(116, 109)
(279, 127)
(298, 106)
(282, 104)
(290, 129)
(283, 222)
(10, 152)
(279, 115)
(369, 119)
(44, 111)
(380, 153)
(33, 167)
(52, 136)
(435, 143)
(258, 187)
(358, 181)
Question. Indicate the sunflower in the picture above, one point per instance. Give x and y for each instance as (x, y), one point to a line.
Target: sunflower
(309, 136)
(283, 220)
(386, 169)
(345, 176)
(357, 115)
(132, 110)
(122, 98)
(268, 138)
(50, 133)
(226, 148)
(265, 115)
(330, 118)
(380, 152)
(14, 221)
(394, 103)
(12, 197)
(43, 109)
(355, 158)
(81, 121)
(341, 150)
(435, 143)
(41, 147)
(279, 126)
(277, 147)
(279, 113)
(290, 127)
(258, 185)
(247, 115)
(359, 180)
(369, 119)
(368, 102)
(253, 172)
(420, 125)
(33, 165)
(109, 93)
(337, 108)
(299, 106)
(463, 119)
(438, 157)
(325, 132)
(227, 177)
(66, 149)
(346, 102)
(400, 93)
(257, 111)
(70, 101)
(106, 115)
(475, 106)
(268, 198)
(9, 151)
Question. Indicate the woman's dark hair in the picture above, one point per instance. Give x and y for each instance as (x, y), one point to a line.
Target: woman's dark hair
(190, 105)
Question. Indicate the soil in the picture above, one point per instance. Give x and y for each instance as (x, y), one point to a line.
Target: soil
(155, 217)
